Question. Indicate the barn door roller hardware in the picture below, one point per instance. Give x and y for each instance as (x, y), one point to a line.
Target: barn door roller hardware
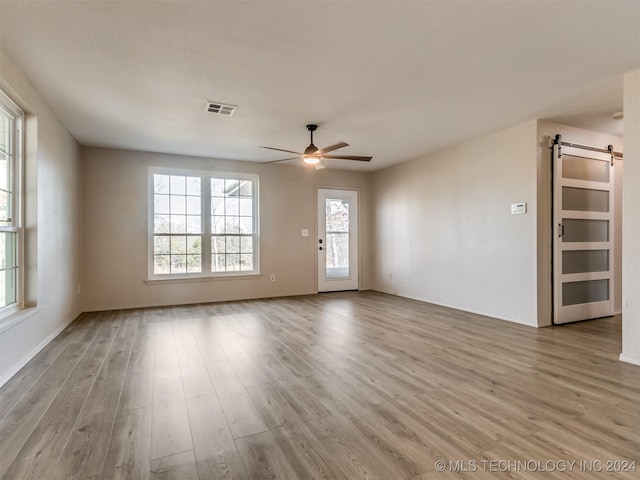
(558, 141)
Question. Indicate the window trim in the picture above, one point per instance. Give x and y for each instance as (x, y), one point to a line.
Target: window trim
(206, 176)
(17, 203)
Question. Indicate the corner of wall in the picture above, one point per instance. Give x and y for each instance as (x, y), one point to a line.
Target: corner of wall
(52, 225)
(631, 221)
(543, 225)
(443, 232)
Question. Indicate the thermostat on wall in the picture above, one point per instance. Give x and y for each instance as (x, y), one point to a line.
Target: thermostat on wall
(518, 208)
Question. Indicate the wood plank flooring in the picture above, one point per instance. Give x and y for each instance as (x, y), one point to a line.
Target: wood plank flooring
(353, 385)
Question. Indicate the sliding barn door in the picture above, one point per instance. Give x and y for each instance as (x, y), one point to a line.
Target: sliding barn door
(583, 237)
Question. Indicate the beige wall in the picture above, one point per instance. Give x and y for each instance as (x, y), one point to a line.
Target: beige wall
(547, 131)
(443, 231)
(451, 205)
(115, 209)
(52, 220)
(631, 221)
(440, 226)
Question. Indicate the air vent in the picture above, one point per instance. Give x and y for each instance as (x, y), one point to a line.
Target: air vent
(221, 109)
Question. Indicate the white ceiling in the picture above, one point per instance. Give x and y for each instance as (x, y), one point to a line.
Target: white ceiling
(394, 79)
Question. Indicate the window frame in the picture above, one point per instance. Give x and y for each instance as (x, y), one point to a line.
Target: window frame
(16, 157)
(205, 216)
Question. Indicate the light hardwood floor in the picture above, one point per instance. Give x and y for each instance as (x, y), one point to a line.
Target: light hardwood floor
(334, 386)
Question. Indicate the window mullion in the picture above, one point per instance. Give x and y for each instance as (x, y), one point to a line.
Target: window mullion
(206, 222)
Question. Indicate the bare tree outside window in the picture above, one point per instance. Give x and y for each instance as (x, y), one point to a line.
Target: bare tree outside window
(203, 224)
(337, 238)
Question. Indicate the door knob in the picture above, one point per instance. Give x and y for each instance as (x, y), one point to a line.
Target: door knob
(320, 248)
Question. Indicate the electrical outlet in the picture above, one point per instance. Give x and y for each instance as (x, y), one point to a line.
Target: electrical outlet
(273, 277)
(390, 276)
(78, 289)
(406, 277)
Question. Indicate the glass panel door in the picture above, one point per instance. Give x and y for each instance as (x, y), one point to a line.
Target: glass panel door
(583, 243)
(337, 240)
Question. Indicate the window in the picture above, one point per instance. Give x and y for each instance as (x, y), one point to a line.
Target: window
(177, 241)
(11, 119)
(203, 224)
(232, 226)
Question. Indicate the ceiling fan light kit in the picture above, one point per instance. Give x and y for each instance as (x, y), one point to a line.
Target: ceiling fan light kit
(312, 155)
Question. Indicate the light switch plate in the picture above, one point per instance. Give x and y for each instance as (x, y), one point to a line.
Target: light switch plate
(305, 232)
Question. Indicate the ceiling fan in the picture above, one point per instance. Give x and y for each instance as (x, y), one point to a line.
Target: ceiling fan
(312, 154)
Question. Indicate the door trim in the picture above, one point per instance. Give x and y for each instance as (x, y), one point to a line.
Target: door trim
(358, 192)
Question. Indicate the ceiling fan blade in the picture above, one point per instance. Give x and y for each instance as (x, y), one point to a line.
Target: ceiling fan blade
(282, 150)
(331, 148)
(349, 157)
(282, 160)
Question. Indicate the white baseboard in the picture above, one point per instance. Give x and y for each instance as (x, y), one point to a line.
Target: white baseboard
(454, 307)
(29, 356)
(629, 359)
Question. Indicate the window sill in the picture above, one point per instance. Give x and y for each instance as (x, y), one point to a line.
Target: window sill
(163, 281)
(16, 318)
